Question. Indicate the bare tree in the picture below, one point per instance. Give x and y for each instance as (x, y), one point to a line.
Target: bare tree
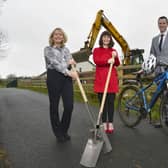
(2, 2)
(4, 44)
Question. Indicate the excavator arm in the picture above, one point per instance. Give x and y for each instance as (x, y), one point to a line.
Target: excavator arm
(102, 20)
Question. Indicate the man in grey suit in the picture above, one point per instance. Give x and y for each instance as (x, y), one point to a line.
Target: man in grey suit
(159, 47)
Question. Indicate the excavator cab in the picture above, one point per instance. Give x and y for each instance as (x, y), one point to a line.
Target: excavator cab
(136, 56)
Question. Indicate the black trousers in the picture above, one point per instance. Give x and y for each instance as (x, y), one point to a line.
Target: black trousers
(108, 111)
(60, 86)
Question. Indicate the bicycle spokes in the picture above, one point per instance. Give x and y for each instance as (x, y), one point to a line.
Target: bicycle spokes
(129, 106)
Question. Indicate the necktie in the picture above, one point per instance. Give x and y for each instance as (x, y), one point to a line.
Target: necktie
(161, 41)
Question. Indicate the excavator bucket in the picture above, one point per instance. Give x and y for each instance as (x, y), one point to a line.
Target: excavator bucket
(82, 55)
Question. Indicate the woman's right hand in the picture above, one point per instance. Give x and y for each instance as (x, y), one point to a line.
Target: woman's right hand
(73, 74)
(110, 61)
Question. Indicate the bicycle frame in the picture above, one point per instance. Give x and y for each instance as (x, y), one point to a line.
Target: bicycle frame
(160, 81)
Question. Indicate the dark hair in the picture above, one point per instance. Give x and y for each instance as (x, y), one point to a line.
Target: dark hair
(163, 17)
(106, 33)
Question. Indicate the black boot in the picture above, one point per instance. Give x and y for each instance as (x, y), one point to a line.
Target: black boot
(67, 137)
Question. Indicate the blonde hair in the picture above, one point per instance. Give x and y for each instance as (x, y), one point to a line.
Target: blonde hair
(51, 41)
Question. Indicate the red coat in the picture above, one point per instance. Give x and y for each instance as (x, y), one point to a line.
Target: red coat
(100, 57)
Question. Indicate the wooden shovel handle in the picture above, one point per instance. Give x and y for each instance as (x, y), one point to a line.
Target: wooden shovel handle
(80, 86)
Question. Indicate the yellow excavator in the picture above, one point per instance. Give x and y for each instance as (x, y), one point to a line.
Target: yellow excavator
(101, 20)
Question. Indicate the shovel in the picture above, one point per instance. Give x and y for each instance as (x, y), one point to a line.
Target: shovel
(107, 146)
(91, 115)
(95, 144)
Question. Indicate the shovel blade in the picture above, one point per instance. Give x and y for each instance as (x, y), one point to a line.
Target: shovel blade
(107, 145)
(91, 153)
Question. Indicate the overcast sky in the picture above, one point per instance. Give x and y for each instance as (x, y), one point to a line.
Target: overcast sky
(28, 23)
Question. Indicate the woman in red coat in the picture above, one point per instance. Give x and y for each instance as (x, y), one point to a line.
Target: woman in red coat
(102, 57)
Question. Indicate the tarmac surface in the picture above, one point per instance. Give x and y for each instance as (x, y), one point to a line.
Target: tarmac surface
(25, 133)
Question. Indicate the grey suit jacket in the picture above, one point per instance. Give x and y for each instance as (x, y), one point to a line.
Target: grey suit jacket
(160, 55)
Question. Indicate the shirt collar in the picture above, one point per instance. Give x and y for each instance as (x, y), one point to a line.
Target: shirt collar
(164, 33)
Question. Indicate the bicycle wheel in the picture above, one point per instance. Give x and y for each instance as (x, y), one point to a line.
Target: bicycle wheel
(164, 109)
(129, 106)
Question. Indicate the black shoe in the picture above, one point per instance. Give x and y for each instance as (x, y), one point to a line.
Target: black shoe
(67, 137)
(61, 139)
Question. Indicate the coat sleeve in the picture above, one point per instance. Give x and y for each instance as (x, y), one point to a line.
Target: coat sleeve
(116, 61)
(99, 58)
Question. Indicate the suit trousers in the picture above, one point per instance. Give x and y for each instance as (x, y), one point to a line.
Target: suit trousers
(60, 86)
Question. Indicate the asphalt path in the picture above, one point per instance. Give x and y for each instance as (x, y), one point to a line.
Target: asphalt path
(26, 135)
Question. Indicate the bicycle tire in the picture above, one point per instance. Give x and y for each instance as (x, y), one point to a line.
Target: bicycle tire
(129, 117)
(163, 110)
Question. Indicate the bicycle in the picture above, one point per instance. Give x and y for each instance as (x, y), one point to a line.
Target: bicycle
(133, 105)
